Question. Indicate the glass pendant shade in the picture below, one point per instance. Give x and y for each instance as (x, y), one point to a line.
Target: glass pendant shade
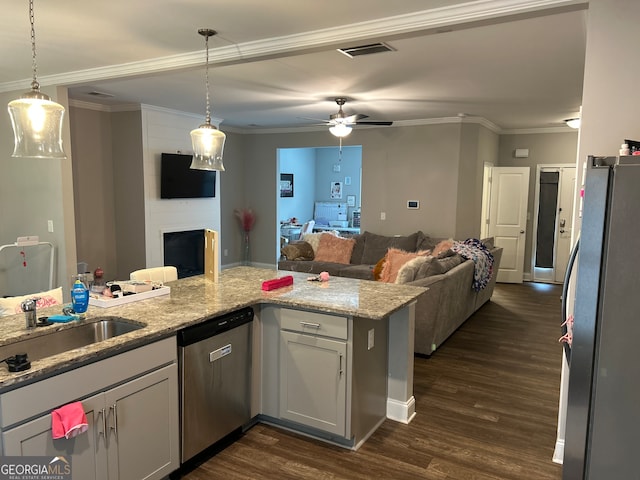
(37, 126)
(208, 145)
(340, 130)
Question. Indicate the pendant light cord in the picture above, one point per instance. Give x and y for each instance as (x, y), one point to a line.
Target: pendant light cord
(34, 84)
(206, 76)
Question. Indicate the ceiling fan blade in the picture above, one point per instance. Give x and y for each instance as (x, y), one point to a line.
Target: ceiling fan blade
(374, 123)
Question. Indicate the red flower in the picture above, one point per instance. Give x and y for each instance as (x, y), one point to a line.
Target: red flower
(246, 217)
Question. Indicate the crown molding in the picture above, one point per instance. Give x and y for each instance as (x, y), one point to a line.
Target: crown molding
(433, 19)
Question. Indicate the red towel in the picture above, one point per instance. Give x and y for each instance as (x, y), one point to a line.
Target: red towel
(68, 421)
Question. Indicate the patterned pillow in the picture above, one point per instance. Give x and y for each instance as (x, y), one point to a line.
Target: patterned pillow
(11, 305)
(334, 249)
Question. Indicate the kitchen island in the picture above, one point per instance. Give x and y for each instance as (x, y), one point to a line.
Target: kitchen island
(196, 299)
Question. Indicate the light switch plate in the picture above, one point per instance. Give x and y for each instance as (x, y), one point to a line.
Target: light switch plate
(336, 167)
(370, 339)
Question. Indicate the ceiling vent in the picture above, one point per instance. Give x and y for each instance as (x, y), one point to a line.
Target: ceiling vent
(95, 93)
(366, 49)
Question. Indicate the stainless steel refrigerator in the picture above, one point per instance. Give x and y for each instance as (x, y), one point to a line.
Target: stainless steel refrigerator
(603, 413)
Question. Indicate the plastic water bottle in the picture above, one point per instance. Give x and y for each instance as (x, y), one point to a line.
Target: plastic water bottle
(79, 296)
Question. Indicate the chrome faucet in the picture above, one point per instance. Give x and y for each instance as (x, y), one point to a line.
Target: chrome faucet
(29, 309)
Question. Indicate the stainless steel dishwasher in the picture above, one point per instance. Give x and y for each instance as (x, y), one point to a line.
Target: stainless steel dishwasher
(215, 380)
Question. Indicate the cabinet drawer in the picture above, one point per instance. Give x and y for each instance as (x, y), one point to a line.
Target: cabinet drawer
(314, 323)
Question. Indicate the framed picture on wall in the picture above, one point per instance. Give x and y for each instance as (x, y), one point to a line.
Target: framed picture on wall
(336, 190)
(286, 184)
(351, 200)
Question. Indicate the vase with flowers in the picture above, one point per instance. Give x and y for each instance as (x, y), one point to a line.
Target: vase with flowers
(246, 218)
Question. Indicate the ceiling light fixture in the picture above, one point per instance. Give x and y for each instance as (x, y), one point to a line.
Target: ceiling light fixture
(572, 122)
(207, 140)
(35, 118)
(340, 130)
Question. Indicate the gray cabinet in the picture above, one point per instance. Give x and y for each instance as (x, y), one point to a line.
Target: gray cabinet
(133, 427)
(87, 449)
(313, 381)
(314, 368)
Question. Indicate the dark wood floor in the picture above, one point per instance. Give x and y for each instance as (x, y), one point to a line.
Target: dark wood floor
(486, 400)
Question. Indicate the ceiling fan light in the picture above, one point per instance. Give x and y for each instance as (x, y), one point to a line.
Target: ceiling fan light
(572, 122)
(208, 145)
(340, 130)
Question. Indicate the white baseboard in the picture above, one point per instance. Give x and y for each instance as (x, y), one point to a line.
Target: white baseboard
(558, 452)
(402, 412)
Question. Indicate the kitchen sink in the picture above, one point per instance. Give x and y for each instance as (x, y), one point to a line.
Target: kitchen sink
(48, 344)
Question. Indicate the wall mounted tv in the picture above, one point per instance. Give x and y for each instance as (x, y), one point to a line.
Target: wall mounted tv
(177, 180)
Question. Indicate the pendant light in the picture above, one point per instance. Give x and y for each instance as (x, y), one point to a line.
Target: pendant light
(36, 119)
(207, 140)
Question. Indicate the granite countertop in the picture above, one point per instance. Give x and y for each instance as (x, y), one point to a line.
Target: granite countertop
(195, 299)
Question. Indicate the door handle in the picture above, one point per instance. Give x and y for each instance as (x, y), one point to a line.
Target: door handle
(309, 324)
(340, 371)
(521, 231)
(102, 413)
(114, 425)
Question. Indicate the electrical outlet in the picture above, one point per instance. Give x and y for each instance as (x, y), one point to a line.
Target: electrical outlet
(383, 216)
(50, 226)
(225, 252)
(370, 339)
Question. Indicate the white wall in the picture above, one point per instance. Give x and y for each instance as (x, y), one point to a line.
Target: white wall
(168, 131)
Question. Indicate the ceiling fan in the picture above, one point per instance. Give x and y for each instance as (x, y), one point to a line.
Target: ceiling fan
(340, 124)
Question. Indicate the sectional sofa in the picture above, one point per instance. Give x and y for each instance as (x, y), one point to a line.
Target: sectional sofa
(452, 292)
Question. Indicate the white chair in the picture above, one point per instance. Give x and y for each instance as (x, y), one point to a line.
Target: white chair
(155, 274)
(307, 227)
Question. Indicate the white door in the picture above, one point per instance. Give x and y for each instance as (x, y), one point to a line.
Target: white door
(508, 219)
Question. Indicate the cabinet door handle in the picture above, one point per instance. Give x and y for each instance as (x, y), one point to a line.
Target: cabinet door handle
(309, 324)
(103, 414)
(340, 366)
(114, 425)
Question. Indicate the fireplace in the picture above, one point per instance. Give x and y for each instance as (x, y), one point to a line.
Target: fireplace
(185, 251)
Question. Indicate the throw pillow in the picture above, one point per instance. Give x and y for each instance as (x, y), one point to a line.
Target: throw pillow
(334, 249)
(443, 246)
(313, 239)
(377, 270)
(425, 242)
(395, 259)
(409, 270)
(297, 251)
(375, 246)
(11, 305)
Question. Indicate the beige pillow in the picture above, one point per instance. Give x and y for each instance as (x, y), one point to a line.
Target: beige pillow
(395, 259)
(334, 249)
(11, 305)
(443, 246)
(409, 270)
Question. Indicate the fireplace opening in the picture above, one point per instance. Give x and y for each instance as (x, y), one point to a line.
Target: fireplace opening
(185, 251)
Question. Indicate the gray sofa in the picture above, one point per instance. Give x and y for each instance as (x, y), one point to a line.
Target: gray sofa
(447, 302)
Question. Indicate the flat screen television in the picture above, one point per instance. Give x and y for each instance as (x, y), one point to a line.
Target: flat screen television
(177, 180)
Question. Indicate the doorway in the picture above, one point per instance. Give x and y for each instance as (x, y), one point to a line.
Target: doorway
(554, 197)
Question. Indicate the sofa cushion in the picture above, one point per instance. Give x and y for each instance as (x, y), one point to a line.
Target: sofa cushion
(358, 249)
(334, 249)
(437, 266)
(425, 242)
(394, 260)
(361, 272)
(376, 246)
(297, 251)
